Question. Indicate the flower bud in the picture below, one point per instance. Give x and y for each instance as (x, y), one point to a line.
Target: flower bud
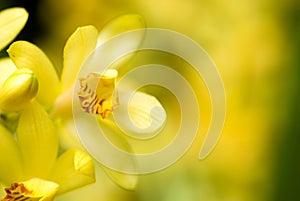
(18, 90)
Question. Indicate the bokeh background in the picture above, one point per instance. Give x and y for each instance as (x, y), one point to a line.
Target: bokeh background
(256, 47)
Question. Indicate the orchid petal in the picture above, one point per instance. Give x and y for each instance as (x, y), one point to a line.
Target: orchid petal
(7, 67)
(39, 189)
(126, 181)
(139, 115)
(119, 25)
(12, 22)
(27, 55)
(80, 44)
(63, 105)
(68, 137)
(37, 140)
(10, 163)
(73, 169)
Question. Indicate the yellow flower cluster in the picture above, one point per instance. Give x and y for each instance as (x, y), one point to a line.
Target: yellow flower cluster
(29, 160)
(39, 102)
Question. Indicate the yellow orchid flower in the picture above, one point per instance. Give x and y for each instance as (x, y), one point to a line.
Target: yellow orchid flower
(30, 163)
(56, 93)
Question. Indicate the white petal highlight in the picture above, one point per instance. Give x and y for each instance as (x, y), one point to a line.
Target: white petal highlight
(139, 115)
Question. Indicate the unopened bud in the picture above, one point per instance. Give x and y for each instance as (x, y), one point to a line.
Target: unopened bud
(18, 90)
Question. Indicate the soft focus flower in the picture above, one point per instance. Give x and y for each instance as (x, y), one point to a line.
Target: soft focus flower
(56, 93)
(30, 163)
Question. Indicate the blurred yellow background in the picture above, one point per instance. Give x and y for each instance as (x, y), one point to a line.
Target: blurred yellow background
(255, 45)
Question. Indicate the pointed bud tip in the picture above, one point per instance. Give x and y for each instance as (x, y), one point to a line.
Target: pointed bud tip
(18, 90)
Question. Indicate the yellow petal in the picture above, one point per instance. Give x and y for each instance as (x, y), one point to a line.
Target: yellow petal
(32, 190)
(18, 90)
(45, 190)
(27, 55)
(115, 136)
(73, 169)
(80, 44)
(38, 140)
(12, 22)
(63, 105)
(126, 181)
(141, 111)
(10, 157)
(7, 67)
(68, 137)
(119, 25)
(140, 115)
